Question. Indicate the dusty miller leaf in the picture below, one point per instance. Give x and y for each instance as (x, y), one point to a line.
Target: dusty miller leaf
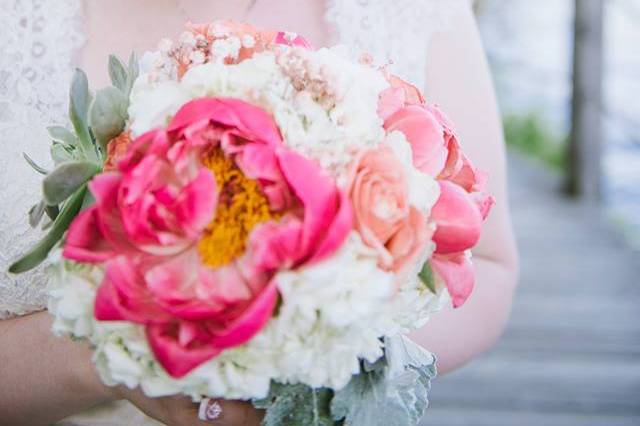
(394, 395)
(296, 405)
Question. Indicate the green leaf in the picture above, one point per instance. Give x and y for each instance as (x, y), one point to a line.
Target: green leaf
(33, 164)
(79, 101)
(61, 153)
(427, 277)
(39, 253)
(62, 135)
(35, 214)
(118, 73)
(393, 394)
(296, 405)
(108, 115)
(134, 72)
(66, 179)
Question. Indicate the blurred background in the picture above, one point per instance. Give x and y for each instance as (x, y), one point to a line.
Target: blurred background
(568, 79)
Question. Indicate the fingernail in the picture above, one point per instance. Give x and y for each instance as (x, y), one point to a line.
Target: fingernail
(209, 409)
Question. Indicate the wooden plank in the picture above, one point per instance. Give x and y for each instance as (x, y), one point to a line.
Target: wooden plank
(479, 417)
(571, 353)
(542, 382)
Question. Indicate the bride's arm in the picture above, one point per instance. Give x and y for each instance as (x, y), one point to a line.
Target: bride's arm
(44, 378)
(458, 80)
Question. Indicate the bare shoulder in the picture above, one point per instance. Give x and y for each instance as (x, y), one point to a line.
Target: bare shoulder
(459, 80)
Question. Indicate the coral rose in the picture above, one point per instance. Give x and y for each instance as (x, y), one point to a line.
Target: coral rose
(379, 194)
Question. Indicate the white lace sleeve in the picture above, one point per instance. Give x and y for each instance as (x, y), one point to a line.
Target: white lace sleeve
(396, 30)
(38, 39)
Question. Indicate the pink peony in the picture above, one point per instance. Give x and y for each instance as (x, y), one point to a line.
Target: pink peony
(195, 223)
(457, 271)
(399, 94)
(379, 194)
(425, 135)
(463, 204)
(458, 219)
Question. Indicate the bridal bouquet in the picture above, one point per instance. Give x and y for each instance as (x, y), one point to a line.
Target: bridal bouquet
(242, 216)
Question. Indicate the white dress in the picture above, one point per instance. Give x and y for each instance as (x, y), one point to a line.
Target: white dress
(39, 40)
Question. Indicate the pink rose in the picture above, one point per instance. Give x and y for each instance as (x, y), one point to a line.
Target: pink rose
(195, 223)
(384, 218)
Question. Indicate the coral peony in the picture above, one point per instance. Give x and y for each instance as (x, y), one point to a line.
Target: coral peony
(175, 225)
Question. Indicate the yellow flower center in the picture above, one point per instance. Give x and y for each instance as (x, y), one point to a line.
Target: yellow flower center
(241, 206)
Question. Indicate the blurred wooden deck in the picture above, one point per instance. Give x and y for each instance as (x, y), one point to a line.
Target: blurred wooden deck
(571, 353)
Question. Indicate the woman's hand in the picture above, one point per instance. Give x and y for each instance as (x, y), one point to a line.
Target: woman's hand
(181, 411)
(44, 378)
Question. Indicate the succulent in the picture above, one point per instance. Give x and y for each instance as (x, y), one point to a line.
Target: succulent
(78, 155)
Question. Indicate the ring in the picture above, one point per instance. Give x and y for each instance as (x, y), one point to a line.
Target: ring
(209, 409)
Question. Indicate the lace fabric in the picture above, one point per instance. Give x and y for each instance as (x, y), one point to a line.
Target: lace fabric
(38, 41)
(393, 30)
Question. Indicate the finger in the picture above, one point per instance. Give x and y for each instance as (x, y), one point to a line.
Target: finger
(229, 413)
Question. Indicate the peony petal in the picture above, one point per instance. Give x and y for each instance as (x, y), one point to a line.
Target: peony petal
(224, 286)
(328, 216)
(425, 135)
(154, 142)
(105, 306)
(126, 292)
(177, 360)
(457, 218)
(255, 123)
(337, 232)
(252, 320)
(105, 188)
(412, 94)
(276, 245)
(85, 242)
(391, 101)
(196, 204)
(458, 274)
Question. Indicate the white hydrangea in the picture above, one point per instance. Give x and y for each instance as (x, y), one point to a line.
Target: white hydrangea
(332, 315)
(153, 103)
(326, 132)
(424, 191)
